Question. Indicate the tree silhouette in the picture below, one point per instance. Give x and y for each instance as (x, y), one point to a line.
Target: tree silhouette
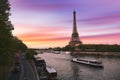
(8, 43)
(5, 36)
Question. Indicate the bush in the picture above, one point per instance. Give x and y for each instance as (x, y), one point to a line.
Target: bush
(29, 54)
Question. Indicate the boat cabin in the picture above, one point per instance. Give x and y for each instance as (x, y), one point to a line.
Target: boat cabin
(95, 62)
(39, 62)
(82, 60)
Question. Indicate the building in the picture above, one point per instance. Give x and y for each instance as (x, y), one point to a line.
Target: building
(75, 36)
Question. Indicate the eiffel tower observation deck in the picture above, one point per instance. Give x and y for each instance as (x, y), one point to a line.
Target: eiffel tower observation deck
(75, 36)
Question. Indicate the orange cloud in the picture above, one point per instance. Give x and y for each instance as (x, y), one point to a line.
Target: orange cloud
(42, 37)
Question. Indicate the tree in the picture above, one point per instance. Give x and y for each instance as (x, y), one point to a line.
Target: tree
(5, 36)
(30, 53)
(18, 45)
(68, 48)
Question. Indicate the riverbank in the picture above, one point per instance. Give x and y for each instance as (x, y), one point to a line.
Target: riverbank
(115, 54)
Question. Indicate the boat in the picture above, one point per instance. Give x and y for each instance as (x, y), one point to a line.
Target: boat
(96, 63)
(51, 73)
(56, 52)
(39, 62)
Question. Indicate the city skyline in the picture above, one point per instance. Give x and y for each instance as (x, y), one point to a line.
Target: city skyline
(48, 23)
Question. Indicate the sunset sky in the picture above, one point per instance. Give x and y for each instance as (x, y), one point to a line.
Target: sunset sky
(48, 23)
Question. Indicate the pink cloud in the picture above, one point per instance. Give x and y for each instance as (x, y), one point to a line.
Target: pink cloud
(28, 28)
(99, 20)
(103, 20)
(106, 38)
(41, 5)
(113, 29)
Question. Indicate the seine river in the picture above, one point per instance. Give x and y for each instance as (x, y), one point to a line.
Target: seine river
(68, 70)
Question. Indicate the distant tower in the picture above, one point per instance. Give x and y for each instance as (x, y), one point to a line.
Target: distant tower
(75, 36)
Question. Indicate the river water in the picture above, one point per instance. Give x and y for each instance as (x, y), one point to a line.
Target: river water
(68, 70)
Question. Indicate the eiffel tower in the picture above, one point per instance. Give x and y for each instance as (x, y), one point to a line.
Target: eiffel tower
(75, 36)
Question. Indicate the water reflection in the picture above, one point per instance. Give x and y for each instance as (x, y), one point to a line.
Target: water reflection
(76, 71)
(68, 70)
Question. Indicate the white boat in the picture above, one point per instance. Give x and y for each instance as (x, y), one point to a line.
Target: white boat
(88, 62)
(51, 73)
